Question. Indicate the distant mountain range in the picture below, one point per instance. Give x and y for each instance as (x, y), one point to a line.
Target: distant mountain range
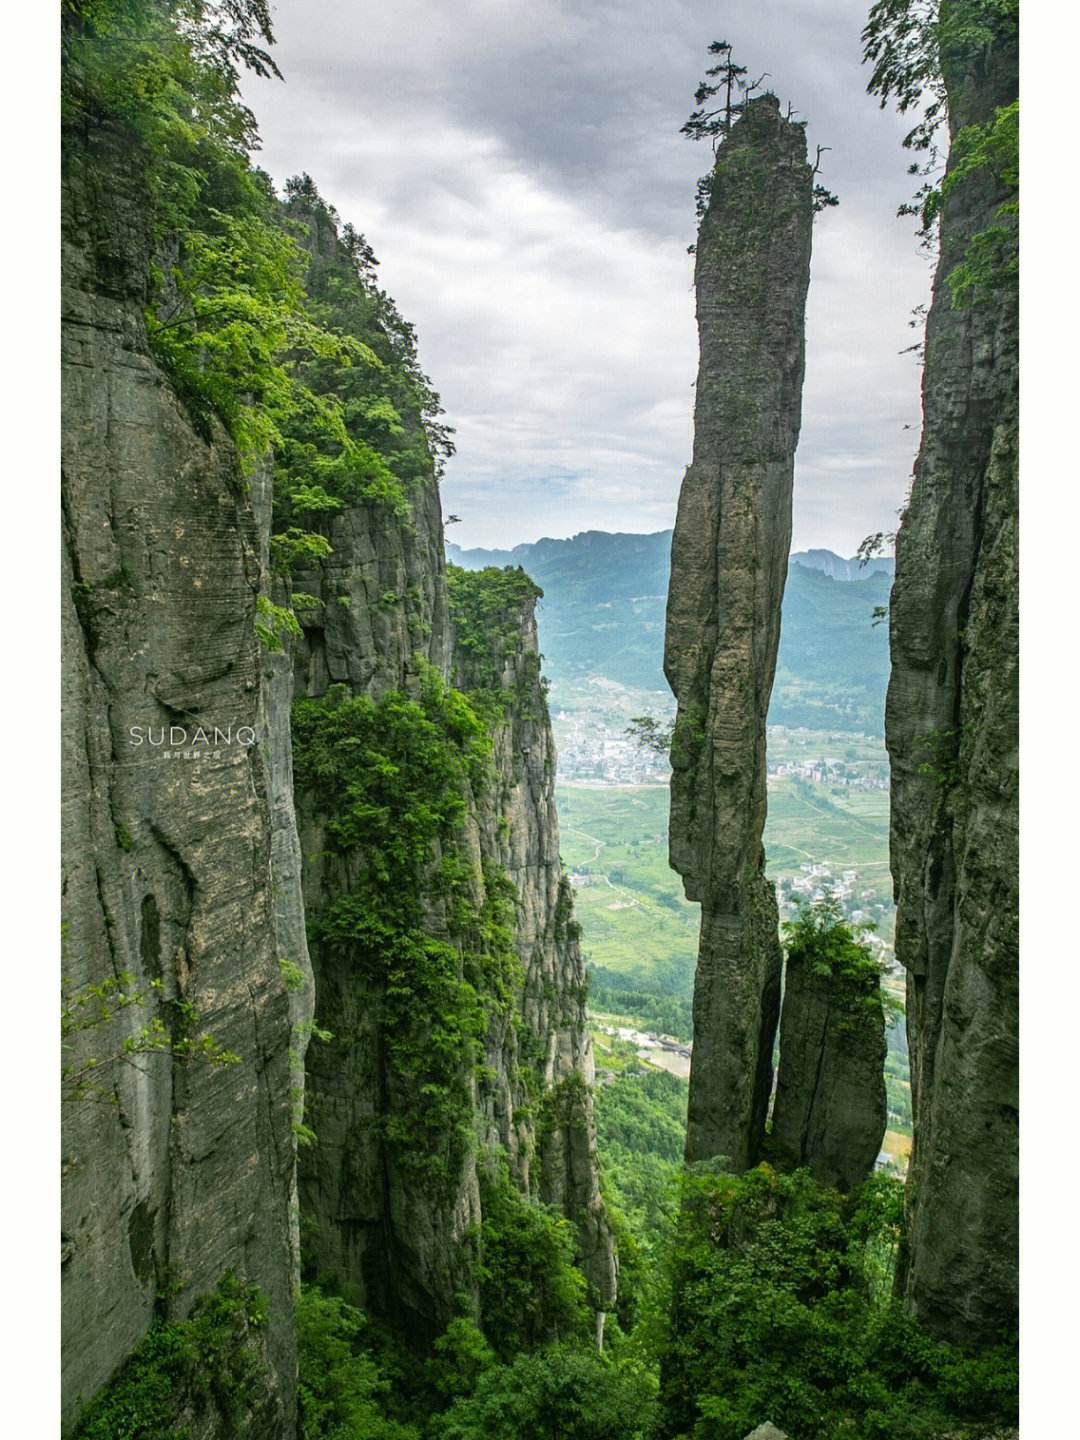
(603, 613)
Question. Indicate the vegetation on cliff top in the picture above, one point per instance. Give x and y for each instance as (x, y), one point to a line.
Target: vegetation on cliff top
(820, 938)
(269, 321)
(912, 45)
(487, 607)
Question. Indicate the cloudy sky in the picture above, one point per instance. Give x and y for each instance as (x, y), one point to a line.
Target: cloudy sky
(518, 168)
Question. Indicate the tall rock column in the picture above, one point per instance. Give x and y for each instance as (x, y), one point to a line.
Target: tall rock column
(830, 1110)
(951, 729)
(728, 565)
(180, 880)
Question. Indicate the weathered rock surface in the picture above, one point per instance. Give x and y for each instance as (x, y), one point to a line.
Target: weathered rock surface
(554, 1157)
(829, 1113)
(951, 729)
(391, 1243)
(176, 869)
(728, 565)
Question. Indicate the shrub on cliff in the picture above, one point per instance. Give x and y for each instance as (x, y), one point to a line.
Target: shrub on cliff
(779, 1309)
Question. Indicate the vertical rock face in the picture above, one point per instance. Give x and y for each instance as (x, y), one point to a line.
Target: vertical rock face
(174, 1172)
(367, 1224)
(728, 564)
(951, 729)
(396, 1241)
(392, 1237)
(553, 1156)
(830, 1109)
(183, 869)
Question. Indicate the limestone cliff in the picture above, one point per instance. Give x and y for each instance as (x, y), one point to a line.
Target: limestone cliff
(951, 729)
(179, 857)
(728, 564)
(830, 1109)
(538, 1103)
(404, 1104)
(450, 986)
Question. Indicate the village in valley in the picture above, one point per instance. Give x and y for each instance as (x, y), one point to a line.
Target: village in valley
(826, 832)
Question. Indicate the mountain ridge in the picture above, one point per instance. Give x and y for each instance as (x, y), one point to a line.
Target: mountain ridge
(605, 596)
(836, 566)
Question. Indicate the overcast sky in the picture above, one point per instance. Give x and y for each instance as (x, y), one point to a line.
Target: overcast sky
(517, 167)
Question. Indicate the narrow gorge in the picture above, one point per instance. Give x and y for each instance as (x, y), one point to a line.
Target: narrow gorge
(339, 1159)
(241, 633)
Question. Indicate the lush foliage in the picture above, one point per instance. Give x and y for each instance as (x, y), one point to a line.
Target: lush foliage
(559, 1391)
(781, 1307)
(388, 409)
(210, 1362)
(833, 950)
(392, 779)
(342, 1389)
(353, 1384)
(156, 1026)
(991, 261)
(913, 46)
(486, 607)
(664, 1013)
(267, 320)
(641, 1133)
(530, 1289)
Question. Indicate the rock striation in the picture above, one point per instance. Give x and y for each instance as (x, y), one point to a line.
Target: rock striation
(951, 729)
(179, 858)
(191, 875)
(830, 1109)
(728, 565)
(396, 1241)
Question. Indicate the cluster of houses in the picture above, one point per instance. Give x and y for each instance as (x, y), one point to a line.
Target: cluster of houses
(591, 751)
(861, 905)
(855, 774)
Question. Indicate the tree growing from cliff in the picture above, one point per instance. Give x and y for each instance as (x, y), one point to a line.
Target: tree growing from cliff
(651, 733)
(96, 1009)
(725, 79)
(909, 43)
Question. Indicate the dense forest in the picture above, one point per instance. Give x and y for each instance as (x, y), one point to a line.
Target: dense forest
(337, 1165)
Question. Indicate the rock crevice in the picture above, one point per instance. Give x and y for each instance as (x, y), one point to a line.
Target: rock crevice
(952, 730)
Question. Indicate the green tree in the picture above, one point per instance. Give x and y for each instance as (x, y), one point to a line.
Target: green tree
(342, 1393)
(530, 1289)
(910, 45)
(90, 1016)
(561, 1393)
(782, 1306)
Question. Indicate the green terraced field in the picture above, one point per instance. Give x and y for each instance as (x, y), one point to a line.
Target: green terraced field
(629, 902)
(634, 918)
(840, 827)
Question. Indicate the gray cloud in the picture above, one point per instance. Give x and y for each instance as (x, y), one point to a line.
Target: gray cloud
(517, 166)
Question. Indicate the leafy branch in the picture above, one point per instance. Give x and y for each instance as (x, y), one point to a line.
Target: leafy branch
(89, 1009)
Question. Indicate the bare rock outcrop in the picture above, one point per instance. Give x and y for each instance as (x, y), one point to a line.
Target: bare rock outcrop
(951, 729)
(176, 849)
(728, 566)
